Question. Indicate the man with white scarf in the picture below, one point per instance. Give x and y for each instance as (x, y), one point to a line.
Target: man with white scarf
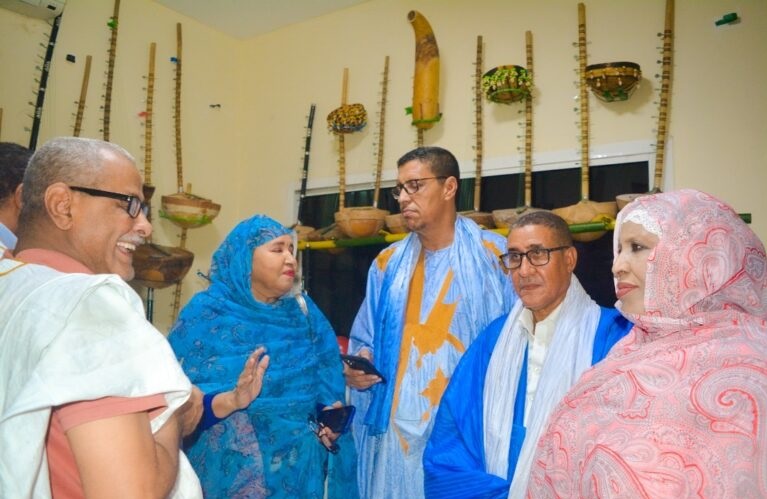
(503, 390)
(90, 392)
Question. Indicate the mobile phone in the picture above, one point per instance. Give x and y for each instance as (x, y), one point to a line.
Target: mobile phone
(361, 364)
(338, 419)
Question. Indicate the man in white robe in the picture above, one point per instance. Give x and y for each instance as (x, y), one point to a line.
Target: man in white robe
(90, 392)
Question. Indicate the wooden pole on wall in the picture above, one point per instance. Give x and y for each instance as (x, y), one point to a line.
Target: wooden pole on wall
(113, 24)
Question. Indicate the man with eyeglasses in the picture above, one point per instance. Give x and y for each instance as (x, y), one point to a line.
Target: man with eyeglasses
(91, 394)
(502, 392)
(428, 296)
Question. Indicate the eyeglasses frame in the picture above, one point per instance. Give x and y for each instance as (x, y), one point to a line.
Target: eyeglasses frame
(526, 254)
(396, 191)
(142, 206)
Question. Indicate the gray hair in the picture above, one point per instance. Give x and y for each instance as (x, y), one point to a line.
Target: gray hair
(71, 160)
(546, 219)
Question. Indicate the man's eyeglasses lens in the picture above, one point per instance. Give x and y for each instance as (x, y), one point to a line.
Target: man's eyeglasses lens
(536, 256)
(411, 186)
(137, 205)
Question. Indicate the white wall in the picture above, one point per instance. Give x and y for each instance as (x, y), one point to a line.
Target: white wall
(247, 154)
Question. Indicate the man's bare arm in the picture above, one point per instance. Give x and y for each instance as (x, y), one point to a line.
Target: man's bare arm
(120, 457)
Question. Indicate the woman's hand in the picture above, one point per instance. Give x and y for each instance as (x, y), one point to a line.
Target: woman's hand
(251, 379)
(248, 386)
(359, 379)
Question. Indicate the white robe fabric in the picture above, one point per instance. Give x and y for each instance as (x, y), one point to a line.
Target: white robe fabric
(67, 338)
(568, 356)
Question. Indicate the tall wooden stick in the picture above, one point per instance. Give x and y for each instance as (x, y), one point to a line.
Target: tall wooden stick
(342, 149)
(148, 188)
(177, 290)
(83, 95)
(305, 169)
(529, 124)
(478, 124)
(584, 100)
(43, 86)
(381, 126)
(149, 116)
(665, 97)
(179, 167)
(177, 112)
(113, 24)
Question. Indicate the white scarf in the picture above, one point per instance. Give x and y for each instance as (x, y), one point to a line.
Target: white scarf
(568, 356)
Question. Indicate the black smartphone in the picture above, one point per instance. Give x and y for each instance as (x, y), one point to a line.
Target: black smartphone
(338, 419)
(361, 364)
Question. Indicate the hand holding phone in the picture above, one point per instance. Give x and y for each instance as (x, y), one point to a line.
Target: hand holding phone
(336, 420)
(361, 364)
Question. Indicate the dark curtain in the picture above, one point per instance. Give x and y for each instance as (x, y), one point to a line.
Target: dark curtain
(336, 279)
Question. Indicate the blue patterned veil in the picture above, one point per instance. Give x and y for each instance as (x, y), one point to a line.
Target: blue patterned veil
(233, 260)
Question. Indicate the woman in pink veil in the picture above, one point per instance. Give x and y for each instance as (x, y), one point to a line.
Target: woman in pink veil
(679, 406)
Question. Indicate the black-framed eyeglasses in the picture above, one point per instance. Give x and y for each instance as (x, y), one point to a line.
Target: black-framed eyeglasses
(411, 186)
(135, 204)
(536, 256)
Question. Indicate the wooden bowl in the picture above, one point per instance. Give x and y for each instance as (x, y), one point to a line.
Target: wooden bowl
(363, 221)
(188, 211)
(481, 218)
(160, 266)
(613, 81)
(585, 212)
(396, 224)
(507, 216)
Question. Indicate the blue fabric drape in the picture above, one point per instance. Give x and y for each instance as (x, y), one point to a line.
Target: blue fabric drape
(266, 449)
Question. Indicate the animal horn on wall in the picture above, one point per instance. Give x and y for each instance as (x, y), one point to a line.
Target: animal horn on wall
(426, 80)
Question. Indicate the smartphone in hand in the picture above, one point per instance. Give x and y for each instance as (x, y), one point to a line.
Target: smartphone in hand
(338, 419)
(361, 364)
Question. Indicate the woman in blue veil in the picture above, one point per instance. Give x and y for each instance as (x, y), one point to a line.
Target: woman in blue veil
(266, 449)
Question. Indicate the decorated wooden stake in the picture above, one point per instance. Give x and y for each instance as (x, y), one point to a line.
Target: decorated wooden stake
(507, 216)
(83, 95)
(586, 210)
(481, 218)
(156, 266)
